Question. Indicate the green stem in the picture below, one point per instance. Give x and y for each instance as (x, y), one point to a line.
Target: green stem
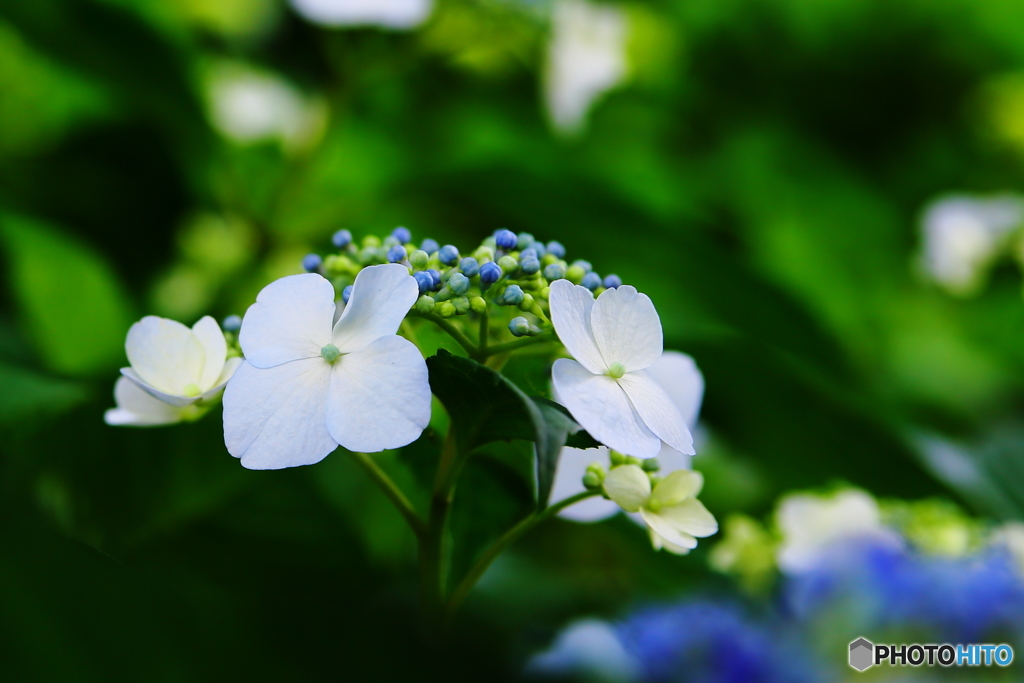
(433, 555)
(393, 493)
(519, 343)
(484, 334)
(453, 331)
(462, 591)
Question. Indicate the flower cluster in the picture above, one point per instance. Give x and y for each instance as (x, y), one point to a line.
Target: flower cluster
(329, 358)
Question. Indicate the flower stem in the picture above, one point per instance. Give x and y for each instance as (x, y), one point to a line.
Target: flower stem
(393, 493)
(433, 553)
(519, 343)
(502, 544)
(484, 335)
(453, 331)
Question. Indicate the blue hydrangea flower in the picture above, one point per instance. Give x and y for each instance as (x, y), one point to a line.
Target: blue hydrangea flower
(490, 273)
(311, 263)
(612, 281)
(513, 296)
(346, 294)
(424, 281)
(469, 266)
(448, 255)
(556, 249)
(402, 235)
(506, 239)
(396, 254)
(519, 326)
(430, 246)
(341, 239)
(529, 265)
(232, 323)
(591, 281)
(554, 271)
(458, 283)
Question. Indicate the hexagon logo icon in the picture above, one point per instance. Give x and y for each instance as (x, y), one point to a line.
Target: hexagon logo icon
(861, 654)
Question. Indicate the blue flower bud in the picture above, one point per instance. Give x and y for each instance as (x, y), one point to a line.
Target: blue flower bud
(519, 327)
(311, 263)
(513, 296)
(342, 239)
(448, 255)
(556, 249)
(469, 266)
(530, 265)
(539, 248)
(402, 235)
(505, 239)
(424, 281)
(430, 246)
(556, 271)
(396, 253)
(612, 281)
(528, 253)
(490, 273)
(346, 293)
(458, 283)
(436, 276)
(232, 323)
(591, 281)
(585, 265)
(525, 241)
(389, 242)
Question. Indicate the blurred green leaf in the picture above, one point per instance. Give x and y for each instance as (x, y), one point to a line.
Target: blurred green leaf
(28, 394)
(76, 310)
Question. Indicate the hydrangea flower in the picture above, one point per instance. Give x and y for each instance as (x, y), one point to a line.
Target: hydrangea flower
(308, 385)
(674, 516)
(390, 14)
(172, 368)
(812, 525)
(607, 388)
(679, 376)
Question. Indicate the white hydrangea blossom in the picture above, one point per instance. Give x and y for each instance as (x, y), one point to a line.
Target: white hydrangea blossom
(963, 235)
(1010, 537)
(586, 58)
(670, 509)
(172, 368)
(679, 376)
(309, 384)
(588, 648)
(392, 14)
(607, 388)
(813, 524)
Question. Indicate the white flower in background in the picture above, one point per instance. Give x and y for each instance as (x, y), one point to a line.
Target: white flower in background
(670, 509)
(309, 384)
(1010, 537)
(963, 235)
(248, 106)
(607, 388)
(812, 525)
(172, 368)
(586, 58)
(393, 14)
(678, 375)
(588, 649)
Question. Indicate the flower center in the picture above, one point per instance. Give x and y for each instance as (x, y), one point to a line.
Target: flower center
(616, 370)
(191, 390)
(330, 353)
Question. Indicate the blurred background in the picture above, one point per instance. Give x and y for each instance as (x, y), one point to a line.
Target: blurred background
(822, 199)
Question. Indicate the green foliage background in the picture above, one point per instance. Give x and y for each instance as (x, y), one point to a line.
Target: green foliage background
(760, 176)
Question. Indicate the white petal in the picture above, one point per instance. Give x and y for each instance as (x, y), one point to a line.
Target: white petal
(629, 486)
(169, 399)
(660, 543)
(667, 530)
(137, 408)
(690, 517)
(600, 405)
(381, 298)
(671, 460)
(215, 350)
(229, 370)
(677, 487)
(572, 465)
(291, 319)
(570, 313)
(626, 328)
(678, 375)
(277, 417)
(165, 354)
(379, 396)
(657, 410)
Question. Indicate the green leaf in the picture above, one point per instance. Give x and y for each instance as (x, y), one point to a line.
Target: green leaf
(486, 407)
(27, 395)
(76, 311)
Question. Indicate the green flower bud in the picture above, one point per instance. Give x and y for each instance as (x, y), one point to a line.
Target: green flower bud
(444, 294)
(419, 259)
(617, 458)
(508, 263)
(545, 293)
(371, 241)
(631, 460)
(527, 303)
(575, 274)
(651, 465)
(592, 480)
(483, 254)
(461, 304)
(445, 309)
(425, 304)
(330, 353)
(477, 304)
(548, 259)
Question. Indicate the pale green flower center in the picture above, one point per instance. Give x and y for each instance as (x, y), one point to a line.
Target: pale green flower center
(191, 390)
(330, 353)
(616, 370)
